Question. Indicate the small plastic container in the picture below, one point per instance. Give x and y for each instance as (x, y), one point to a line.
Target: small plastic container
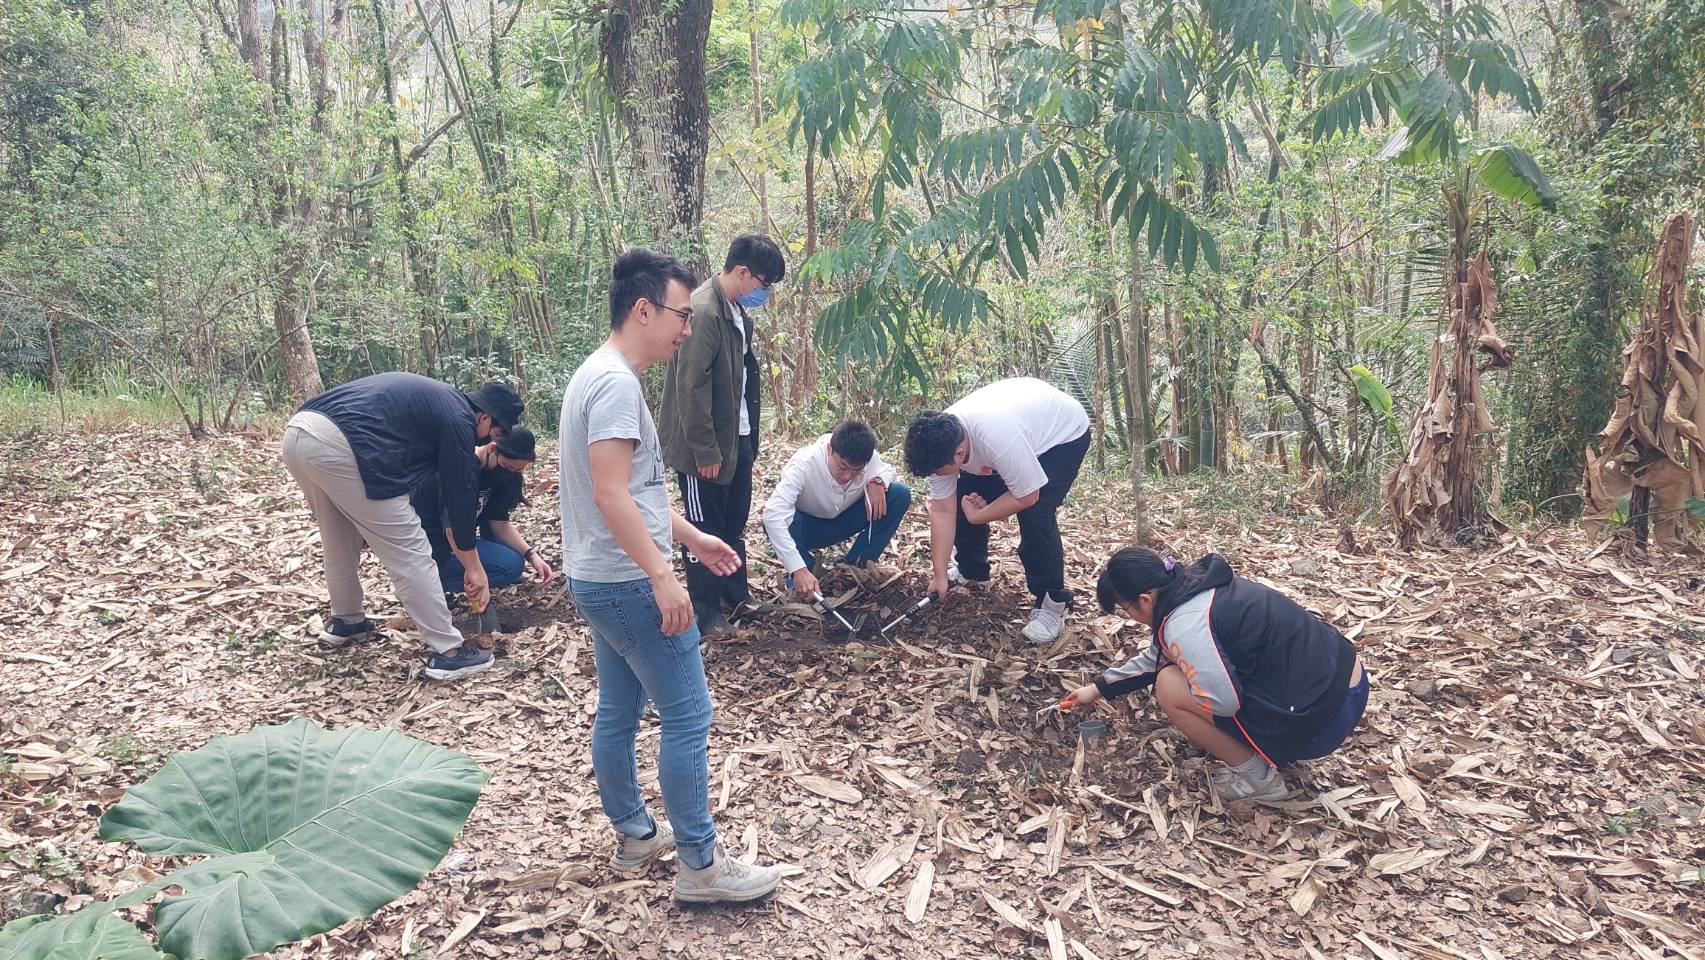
(1093, 733)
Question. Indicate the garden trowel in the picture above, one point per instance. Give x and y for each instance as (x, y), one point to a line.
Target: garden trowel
(1055, 709)
(486, 636)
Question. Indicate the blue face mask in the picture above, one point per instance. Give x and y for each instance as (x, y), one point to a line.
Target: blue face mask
(756, 298)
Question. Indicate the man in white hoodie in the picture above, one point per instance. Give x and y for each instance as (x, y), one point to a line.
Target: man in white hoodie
(834, 489)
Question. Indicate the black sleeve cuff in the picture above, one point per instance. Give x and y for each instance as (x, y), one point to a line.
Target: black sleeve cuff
(1119, 688)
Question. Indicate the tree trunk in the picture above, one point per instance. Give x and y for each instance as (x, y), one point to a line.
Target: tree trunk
(415, 264)
(758, 110)
(804, 343)
(293, 208)
(654, 58)
(1654, 441)
(1178, 459)
(1097, 413)
(1137, 387)
(1115, 408)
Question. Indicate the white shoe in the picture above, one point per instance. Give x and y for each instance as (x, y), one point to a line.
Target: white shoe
(957, 579)
(1046, 621)
(1231, 785)
(726, 880)
(634, 855)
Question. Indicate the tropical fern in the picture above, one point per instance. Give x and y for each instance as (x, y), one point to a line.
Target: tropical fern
(1089, 108)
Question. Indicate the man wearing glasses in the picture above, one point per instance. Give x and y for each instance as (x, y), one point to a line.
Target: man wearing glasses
(710, 418)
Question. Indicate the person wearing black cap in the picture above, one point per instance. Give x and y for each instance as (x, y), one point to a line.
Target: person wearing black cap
(357, 451)
(503, 551)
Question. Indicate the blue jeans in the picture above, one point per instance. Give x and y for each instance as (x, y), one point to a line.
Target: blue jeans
(502, 565)
(635, 662)
(811, 534)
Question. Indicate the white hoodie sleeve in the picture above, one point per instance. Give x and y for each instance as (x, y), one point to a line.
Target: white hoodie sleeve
(782, 505)
(879, 468)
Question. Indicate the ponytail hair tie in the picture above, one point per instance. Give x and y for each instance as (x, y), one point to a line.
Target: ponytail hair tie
(1170, 563)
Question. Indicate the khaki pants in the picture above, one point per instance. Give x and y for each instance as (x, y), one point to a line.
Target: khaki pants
(322, 464)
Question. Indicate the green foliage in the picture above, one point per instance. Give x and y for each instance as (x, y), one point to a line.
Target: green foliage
(1512, 173)
(302, 829)
(91, 935)
(1378, 398)
(1084, 106)
(1625, 147)
(1433, 69)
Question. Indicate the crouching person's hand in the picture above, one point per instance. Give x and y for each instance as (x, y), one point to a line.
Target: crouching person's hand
(1085, 695)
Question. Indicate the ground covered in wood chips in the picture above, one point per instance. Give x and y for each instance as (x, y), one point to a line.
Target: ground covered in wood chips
(1527, 782)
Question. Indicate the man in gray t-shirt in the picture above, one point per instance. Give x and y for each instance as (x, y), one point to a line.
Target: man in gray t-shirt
(605, 401)
(616, 535)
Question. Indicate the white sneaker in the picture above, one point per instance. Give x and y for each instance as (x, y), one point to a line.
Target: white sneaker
(726, 880)
(634, 855)
(957, 579)
(1231, 785)
(1046, 621)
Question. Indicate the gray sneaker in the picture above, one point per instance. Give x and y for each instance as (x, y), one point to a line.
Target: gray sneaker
(726, 880)
(1231, 785)
(633, 855)
(714, 625)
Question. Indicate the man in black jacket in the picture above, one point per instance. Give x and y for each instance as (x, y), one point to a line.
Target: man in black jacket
(357, 451)
(504, 551)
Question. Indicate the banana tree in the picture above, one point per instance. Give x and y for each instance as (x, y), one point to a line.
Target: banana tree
(1430, 69)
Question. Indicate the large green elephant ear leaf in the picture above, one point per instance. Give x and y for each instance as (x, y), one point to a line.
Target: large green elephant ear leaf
(305, 829)
(90, 935)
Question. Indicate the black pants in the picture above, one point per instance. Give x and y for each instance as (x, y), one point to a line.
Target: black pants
(1039, 546)
(721, 511)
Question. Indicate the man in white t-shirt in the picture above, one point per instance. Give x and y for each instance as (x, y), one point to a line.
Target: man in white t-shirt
(617, 530)
(1012, 447)
(836, 488)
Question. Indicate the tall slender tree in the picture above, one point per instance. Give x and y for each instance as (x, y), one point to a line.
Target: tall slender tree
(654, 63)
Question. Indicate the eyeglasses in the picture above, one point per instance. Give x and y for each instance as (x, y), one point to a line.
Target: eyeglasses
(685, 315)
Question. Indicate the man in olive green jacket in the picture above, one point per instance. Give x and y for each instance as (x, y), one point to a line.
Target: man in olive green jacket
(709, 422)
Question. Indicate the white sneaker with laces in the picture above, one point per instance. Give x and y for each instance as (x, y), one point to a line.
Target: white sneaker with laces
(1231, 785)
(957, 579)
(634, 855)
(1046, 621)
(726, 880)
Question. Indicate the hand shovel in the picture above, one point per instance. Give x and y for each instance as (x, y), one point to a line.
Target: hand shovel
(486, 637)
(1055, 709)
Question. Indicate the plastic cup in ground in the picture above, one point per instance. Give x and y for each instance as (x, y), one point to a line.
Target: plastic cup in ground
(1093, 733)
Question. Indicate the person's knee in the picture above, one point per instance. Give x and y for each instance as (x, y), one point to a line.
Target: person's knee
(617, 720)
(503, 566)
(687, 722)
(899, 498)
(1040, 518)
(1172, 692)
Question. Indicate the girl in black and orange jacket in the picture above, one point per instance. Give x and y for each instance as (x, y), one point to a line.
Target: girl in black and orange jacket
(1242, 670)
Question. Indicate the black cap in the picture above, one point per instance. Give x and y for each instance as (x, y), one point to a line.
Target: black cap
(517, 444)
(498, 402)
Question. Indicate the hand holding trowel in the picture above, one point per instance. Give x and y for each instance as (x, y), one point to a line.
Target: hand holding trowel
(485, 637)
